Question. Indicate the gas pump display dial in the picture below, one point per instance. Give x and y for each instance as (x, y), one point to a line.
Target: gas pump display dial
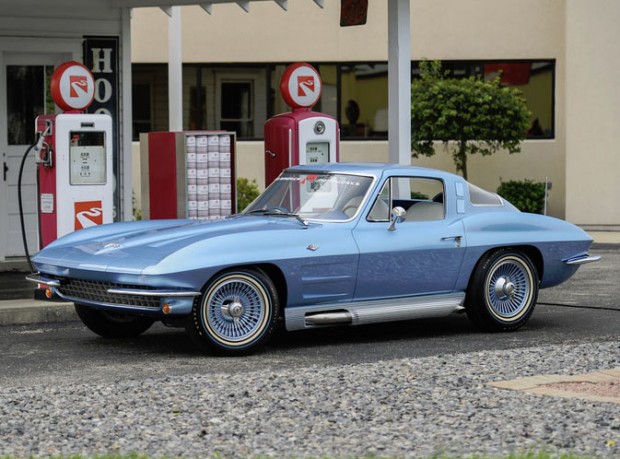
(87, 159)
(317, 152)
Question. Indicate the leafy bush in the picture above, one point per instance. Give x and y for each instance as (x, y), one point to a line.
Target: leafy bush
(526, 195)
(246, 192)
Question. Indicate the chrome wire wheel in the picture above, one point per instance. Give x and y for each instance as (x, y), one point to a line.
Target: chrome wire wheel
(509, 288)
(503, 291)
(236, 309)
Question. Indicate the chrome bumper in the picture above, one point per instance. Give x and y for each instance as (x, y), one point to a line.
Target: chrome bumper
(581, 260)
(115, 297)
(37, 278)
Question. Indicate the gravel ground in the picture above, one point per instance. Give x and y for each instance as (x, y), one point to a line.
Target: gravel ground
(399, 408)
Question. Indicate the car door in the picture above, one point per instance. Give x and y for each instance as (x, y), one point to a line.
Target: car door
(422, 254)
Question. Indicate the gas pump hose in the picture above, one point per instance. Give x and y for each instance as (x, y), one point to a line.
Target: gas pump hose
(19, 197)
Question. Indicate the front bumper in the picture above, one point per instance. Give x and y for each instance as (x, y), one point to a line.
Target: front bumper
(154, 302)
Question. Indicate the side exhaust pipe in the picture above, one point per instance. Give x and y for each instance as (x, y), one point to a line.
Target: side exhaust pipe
(330, 318)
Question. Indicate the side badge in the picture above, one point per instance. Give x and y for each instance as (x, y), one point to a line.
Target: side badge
(313, 247)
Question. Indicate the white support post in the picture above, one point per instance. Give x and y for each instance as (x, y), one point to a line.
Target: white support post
(399, 81)
(175, 71)
(125, 213)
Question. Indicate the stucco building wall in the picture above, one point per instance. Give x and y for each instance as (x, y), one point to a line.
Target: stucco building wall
(578, 35)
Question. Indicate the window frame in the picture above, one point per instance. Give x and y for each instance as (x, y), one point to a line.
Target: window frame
(222, 78)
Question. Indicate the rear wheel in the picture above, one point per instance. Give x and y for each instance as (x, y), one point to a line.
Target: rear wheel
(237, 313)
(112, 324)
(503, 291)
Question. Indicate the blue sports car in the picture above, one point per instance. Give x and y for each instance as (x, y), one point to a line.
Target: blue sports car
(324, 245)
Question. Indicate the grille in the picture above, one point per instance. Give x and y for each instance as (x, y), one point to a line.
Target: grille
(97, 292)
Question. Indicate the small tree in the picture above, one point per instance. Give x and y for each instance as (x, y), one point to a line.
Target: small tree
(468, 115)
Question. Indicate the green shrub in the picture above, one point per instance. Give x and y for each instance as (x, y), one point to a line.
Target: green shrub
(526, 195)
(418, 195)
(246, 192)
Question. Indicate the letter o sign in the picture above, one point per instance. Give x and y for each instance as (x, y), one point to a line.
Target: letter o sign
(72, 86)
(301, 86)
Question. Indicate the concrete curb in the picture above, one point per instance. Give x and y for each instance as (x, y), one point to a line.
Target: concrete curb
(27, 312)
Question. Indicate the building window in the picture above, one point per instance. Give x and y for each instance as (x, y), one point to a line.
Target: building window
(353, 93)
(241, 97)
(27, 97)
(363, 100)
(141, 107)
(535, 79)
(235, 107)
(197, 108)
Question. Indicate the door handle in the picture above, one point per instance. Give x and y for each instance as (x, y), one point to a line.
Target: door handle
(456, 239)
(5, 169)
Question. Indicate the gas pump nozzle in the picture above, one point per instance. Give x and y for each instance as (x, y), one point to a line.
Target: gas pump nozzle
(42, 149)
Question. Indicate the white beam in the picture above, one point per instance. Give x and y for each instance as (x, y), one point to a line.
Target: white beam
(244, 4)
(399, 81)
(167, 10)
(175, 71)
(283, 4)
(208, 7)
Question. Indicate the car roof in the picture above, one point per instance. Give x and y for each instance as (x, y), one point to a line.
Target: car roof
(373, 169)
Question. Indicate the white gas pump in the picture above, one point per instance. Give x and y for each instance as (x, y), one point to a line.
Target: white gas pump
(74, 154)
(301, 136)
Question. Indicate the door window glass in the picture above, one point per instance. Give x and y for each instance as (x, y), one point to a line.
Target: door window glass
(422, 198)
(27, 97)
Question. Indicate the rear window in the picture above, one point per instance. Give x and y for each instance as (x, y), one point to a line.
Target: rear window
(480, 197)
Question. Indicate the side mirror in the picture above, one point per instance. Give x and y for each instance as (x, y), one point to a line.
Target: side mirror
(398, 215)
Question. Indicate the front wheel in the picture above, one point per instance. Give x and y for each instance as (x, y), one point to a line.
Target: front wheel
(112, 324)
(237, 313)
(503, 291)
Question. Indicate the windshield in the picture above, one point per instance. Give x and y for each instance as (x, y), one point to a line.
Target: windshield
(313, 196)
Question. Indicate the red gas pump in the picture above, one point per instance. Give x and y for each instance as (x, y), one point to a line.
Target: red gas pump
(74, 154)
(301, 136)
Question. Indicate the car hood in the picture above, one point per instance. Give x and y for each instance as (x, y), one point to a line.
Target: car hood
(132, 247)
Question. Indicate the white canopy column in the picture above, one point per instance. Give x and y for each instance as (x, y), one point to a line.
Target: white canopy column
(399, 81)
(175, 69)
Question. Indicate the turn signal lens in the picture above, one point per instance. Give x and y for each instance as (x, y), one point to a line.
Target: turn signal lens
(166, 309)
(48, 293)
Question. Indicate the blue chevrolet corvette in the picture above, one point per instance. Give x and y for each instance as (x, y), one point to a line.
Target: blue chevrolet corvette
(324, 245)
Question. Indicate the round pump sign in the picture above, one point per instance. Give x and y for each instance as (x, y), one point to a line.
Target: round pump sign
(300, 86)
(72, 86)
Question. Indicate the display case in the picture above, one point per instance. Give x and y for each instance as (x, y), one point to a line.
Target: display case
(189, 174)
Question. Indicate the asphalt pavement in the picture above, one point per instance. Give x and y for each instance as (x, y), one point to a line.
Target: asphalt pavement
(18, 306)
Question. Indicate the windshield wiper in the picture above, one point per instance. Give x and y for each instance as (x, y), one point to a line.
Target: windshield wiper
(277, 211)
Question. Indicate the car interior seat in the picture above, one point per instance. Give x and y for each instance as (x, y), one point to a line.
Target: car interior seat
(424, 211)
